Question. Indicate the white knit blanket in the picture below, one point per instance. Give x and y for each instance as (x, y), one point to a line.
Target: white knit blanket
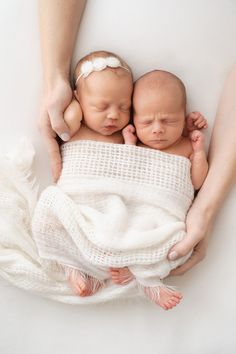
(114, 205)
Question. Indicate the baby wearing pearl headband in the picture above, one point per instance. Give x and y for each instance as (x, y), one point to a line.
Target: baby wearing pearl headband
(94, 72)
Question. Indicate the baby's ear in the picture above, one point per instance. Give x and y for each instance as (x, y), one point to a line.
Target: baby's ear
(185, 129)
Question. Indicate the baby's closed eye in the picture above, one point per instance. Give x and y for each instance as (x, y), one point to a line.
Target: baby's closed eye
(169, 121)
(101, 107)
(125, 108)
(146, 122)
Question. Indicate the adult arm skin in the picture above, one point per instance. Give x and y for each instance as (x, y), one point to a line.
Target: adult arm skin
(58, 22)
(220, 178)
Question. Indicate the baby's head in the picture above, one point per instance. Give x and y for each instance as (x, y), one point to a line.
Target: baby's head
(159, 103)
(103, 87)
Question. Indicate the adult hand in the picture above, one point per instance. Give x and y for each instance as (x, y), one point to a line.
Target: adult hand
(198, 229)
(51, 122)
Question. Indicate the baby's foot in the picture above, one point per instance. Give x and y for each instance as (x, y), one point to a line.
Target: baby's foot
(197, 140)
(121, 276)
(83, 284)
(195, 120)
(129, 135)
(162, 296)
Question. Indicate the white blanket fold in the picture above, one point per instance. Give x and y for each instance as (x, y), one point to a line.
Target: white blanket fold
(114, 206)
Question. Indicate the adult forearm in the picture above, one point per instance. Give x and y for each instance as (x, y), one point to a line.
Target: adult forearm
(58, 21)
(221, 175)
(199, 168)
(222, 153)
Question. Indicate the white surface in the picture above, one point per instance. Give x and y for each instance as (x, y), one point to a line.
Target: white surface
(195, 40)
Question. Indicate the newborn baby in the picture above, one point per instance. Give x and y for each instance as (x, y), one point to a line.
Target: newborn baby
(104, 88)
(159, 103)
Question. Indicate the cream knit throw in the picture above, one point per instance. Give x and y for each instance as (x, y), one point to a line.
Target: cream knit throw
(114, 205)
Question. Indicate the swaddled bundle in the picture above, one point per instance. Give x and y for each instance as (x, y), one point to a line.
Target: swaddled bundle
(114, 206)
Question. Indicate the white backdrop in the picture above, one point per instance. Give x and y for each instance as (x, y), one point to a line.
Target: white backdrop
(195, 40)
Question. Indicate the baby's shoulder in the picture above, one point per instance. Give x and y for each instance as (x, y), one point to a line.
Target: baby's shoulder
(182, 148)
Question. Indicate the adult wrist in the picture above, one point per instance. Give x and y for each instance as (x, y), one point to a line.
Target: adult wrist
(56, 79)
(206, 205)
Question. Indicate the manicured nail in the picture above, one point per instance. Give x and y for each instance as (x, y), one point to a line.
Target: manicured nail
(173, 255)
(65, 136)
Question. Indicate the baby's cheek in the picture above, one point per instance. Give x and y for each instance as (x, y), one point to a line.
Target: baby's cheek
(141, 134)
(73, 117)
(126, 117)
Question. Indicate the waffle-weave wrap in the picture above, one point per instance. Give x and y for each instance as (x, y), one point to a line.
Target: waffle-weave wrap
(113, 206)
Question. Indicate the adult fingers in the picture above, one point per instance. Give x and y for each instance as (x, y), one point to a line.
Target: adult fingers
(57, 102)
(197, 256)
(58, 124)
(182, 248)
(50, 141)
(55, 158)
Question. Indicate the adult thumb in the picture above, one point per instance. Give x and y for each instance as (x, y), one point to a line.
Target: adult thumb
(59, 125)
(182, 248)
(61, 129)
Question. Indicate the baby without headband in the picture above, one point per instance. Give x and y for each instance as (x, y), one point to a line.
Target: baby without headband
(99, 64)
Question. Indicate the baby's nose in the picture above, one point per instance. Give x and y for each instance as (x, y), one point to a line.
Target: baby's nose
(113, 114)
(157, 128)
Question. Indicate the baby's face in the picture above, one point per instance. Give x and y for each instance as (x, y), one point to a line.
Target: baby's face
(105, 98)
(159, 118)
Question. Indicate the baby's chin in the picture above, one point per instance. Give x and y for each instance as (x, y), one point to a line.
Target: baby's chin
(109, 131)
(157, 144)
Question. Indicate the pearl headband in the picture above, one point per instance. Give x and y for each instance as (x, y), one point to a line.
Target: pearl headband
(99, 64)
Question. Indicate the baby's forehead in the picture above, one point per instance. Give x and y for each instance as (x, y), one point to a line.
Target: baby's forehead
(159, 83)
(155, 83)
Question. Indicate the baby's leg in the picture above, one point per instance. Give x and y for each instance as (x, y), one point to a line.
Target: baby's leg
(129, 135)
(121, 276)
(162, 295)
(83, 284)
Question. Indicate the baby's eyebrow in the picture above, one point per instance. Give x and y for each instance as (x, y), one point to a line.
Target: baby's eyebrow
(146, 117)
(99, 104)
(144, 120)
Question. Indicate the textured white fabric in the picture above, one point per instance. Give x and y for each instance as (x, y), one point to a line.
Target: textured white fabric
(114, 205)
(20, 263)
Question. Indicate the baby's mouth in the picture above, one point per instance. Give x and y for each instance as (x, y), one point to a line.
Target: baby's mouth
(110, 126)
(157, 141)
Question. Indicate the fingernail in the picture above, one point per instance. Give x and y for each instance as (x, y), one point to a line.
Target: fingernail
(173, 255)
(65, 136)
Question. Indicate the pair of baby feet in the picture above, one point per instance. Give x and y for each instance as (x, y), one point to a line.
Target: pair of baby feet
(85, 285)
(161, 295)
